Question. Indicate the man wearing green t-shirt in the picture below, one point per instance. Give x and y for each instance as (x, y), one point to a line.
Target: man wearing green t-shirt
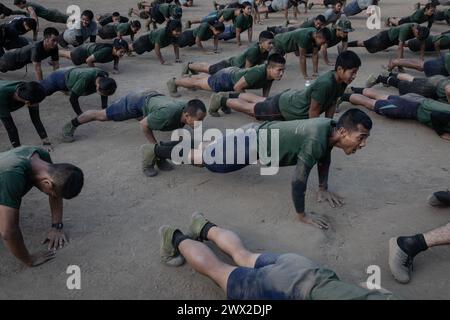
(119, 30)
(434, 43)
(429, 112)
(301, 143)
(320, 97)
(301, 42)
(255, 55)
(234, 79)
(241, 23)
(396, 36)
(204, 32)
(21, 169)
(420, 16)
(158, 112)
(80, 81)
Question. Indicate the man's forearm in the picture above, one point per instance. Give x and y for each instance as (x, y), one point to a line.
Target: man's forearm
(323, 169)
(38, 70)
(14, 243)
(303, 69)
(56, 208)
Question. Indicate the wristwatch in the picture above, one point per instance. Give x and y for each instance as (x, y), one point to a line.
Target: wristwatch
(58, 226)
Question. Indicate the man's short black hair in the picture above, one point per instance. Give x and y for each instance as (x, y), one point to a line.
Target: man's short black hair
(194, 106)
(324, 33)
(116, 14)
(107, 86)
(347, 60)
(339, 1)
(89, 14)
(354, 117)
(276, 58)
(68, 179)
(120, 44)
(135, 24)
(265, 35)
(50, 31)
(219, 26)
(429, 6)
(321, 18)
(31, 23)
(16, 2)
(246, 4)
(423, 33)
(173, 25)
(31, 91)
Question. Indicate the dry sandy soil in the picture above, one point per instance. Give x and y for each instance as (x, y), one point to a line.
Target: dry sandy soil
(113, 224)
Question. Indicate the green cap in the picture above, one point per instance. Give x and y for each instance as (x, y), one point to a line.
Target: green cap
(345, 25)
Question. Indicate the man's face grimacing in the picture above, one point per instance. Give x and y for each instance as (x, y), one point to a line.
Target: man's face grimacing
(318, 24)
(352, 140)
(191, 120)
(275, 71)
(85, 21)
(267, 45)
(51, 42)
(347, 75)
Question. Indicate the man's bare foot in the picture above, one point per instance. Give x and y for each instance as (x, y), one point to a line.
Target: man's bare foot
(314, 219)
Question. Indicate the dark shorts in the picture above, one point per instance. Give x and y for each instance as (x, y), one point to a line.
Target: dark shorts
(219, 66)
(55, 81)
(221, 80)
(379, 42)
(78, 56)
(107, 32)
(434, 67)
(8, 63)
(419, 86)
(274, 277)
(404, 20)
(186, 39)
(352, 9)
(269, 109)
(397, 108)
(241, 146)
(19, 42)
(157, 16)
(414, 45)
(142, 45)
(129, 106)
(228, 34)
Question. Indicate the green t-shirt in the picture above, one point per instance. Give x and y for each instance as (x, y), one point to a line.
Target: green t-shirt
(295, 104)
(447, 62)
(243, 22)
(293, 40)
(401, 33)
(164, 113)
(160, 37)
(419, 16)
(305, 140)
(227, 14)
(52, 15)
(102, 52)
(81, 80)
(15, 170)
(7, 103)
(444, 40)
(203, 32)
(166, 9)
(256, 77)
(124, 28)
(252, 54)
(426, 107)
(308, 24)
(334, 38)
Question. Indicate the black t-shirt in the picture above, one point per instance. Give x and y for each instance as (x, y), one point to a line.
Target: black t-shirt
(16, 25)
(34, 52)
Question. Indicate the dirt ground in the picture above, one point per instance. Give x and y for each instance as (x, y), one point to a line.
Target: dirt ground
(113, 224)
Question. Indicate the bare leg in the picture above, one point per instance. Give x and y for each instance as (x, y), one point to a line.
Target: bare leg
(64, 54)
(241, 105)
(251, 97)
(374, 94)
(199, 67)
(204, 261)
(359, 99)
(406, 63)
(92, 115)
(438, 237)
(405, 77)
(230, 243)
(194, 82)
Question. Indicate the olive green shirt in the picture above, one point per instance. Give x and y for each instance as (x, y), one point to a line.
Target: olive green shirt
(160, 37)
(293, 40)
(253, 54)
(256, 77)
(81, 80)
(402, 33)
(7, 103)
(164, 113)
